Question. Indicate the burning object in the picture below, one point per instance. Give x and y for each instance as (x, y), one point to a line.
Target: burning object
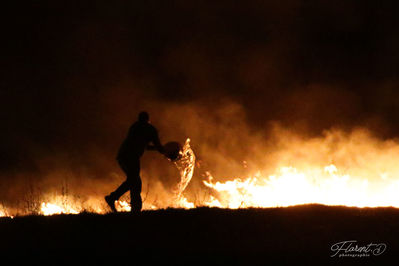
(173, 151)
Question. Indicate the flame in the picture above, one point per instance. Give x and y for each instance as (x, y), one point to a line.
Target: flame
(364, 173)
(51, 209)
(182, 202)
(292, 187)
(123, 206)
(186, 166)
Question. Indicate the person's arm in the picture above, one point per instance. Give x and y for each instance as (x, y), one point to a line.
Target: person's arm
(156, 143)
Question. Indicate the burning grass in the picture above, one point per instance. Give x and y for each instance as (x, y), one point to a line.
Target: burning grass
(351, 169)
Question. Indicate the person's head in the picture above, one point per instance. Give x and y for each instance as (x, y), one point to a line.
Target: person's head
(144, 117)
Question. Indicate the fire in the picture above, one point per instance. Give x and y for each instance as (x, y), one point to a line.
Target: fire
(292, 187)
(186, 166)
(366, 174)
(338, 169)
(123, 206)
(182, 202)
(51, 209)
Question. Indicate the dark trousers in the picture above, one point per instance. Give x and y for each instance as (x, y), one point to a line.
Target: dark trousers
(131, 168)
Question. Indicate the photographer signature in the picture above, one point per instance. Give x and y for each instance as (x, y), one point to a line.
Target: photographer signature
(351, 248)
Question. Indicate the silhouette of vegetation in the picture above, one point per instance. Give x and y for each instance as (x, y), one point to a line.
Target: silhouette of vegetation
(302, 235)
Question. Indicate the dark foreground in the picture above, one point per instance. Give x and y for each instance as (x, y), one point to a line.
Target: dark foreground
(301, 235)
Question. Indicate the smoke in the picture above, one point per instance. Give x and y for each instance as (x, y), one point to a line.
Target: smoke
(223, 74)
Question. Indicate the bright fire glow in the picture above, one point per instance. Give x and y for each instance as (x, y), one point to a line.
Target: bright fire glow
(338, 169)
(51, 209)
(292, 187)
(364, 173)
(186, 166)
(122, 206)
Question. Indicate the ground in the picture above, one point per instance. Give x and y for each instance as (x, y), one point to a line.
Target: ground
(301, 235)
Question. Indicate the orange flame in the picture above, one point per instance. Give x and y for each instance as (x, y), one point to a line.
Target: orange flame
(364, 173)
(51, 209)
(186, 166)
(292, 187)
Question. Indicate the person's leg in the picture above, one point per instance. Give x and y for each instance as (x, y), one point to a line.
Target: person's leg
(134, 182)
(122, 189)
(125, 186)
(135, 195)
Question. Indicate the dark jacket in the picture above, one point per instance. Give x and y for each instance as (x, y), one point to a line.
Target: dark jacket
(139, 136)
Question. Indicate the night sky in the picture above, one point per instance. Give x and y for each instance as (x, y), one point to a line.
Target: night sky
(76, 73)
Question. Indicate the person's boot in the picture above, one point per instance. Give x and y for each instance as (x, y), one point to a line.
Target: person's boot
(111, 203)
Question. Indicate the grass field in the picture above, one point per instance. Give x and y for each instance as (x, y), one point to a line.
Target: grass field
(301, 235)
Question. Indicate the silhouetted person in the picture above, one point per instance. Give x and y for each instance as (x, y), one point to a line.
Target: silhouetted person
(141, 134)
